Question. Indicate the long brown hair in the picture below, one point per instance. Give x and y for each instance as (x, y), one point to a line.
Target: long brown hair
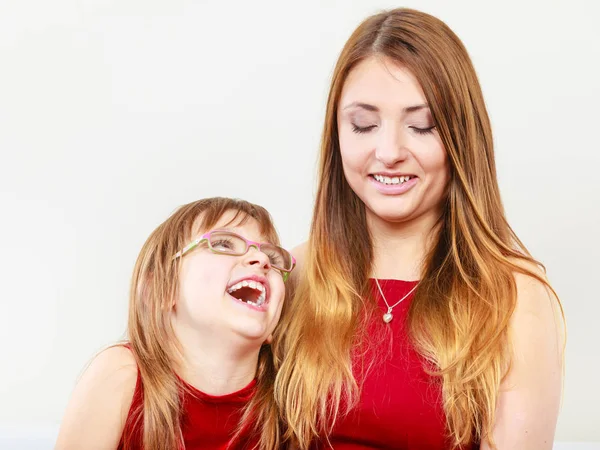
(459, 317)
(152, 341)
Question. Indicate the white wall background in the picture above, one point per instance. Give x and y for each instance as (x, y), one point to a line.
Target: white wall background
(113, 113)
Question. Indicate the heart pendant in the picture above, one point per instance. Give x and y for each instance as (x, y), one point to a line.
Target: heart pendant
(387, 317)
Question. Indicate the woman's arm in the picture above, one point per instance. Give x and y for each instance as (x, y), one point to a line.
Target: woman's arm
(98, 408)
(530, 394)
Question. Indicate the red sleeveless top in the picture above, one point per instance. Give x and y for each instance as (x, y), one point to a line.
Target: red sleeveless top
(208, 422)
(400, 405)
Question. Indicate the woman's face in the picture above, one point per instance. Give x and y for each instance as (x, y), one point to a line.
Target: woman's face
(392, 155)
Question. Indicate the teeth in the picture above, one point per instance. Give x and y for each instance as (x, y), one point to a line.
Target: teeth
(393, 180)
(256, 285)
(259, 301)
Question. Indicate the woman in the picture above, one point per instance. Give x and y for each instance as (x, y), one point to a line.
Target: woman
(419, 321)
(197, 372)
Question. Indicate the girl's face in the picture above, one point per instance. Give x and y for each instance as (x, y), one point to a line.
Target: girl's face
(214, 289)
(392, 155)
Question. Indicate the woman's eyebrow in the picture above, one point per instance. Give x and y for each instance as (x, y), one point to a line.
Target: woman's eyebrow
(369, 107)
(415, 108)
(362, 106)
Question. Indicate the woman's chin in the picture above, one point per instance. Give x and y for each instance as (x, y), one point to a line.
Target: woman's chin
(390, 213)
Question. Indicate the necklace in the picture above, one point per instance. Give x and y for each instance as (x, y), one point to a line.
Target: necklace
(387, 317)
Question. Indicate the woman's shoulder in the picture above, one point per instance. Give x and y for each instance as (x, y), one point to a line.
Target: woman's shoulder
(530, 392)
(299, 252)
(100, 402)
(534, 291)
(537, 325)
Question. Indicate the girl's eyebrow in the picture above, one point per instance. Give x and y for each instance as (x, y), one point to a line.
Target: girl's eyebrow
(263, 239)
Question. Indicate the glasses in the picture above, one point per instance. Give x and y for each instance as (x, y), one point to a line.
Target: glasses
(228, 243)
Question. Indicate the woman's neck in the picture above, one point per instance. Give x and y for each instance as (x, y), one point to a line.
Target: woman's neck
(400, 248)
(214, 367)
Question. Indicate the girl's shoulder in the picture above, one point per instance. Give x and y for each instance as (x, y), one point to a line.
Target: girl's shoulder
(99, 405)
(116, 365)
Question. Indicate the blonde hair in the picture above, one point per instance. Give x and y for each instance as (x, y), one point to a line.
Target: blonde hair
(152, 341)
(460, 314)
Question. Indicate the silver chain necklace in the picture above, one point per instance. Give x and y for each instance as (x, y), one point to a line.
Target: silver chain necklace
(387, 317)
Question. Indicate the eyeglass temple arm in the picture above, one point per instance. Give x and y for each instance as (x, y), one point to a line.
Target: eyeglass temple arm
(187, 248)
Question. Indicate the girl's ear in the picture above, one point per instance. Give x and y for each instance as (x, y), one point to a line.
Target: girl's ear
(173, 302)
(269, 339)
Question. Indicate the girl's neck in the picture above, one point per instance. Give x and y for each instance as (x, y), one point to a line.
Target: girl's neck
(213, 367)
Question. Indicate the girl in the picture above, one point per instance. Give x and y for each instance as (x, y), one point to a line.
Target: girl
(420, 320)
(197, 370)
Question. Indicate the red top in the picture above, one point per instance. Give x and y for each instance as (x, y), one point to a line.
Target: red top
(208, 422)
(400, 405)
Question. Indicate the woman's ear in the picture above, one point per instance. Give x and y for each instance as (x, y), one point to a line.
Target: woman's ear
(269, 339)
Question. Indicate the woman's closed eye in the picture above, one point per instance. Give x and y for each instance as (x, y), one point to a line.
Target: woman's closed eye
(424, 130)
(362, 129)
